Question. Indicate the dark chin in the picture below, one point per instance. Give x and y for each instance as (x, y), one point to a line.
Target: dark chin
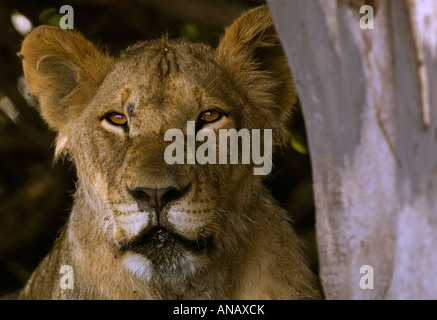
(164, 248)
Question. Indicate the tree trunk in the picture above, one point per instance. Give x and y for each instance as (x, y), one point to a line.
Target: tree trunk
(371, 118)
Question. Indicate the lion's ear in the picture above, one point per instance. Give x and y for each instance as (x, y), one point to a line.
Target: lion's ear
(63, 70)
(251, 50)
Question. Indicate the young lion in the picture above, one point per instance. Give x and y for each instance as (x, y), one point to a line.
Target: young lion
(141, 228)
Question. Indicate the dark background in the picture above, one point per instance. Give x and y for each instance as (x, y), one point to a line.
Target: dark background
(35, 192)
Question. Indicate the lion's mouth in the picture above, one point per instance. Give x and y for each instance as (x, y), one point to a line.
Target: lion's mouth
(161, 243)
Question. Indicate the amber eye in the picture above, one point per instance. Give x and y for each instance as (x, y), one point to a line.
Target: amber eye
(210, 116)
(117, 119)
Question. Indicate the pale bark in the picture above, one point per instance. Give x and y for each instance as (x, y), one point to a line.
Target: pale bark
(370, 110)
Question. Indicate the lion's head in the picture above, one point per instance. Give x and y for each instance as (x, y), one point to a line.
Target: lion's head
(111, 115)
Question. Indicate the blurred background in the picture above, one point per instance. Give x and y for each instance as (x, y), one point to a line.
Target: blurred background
(35, 192)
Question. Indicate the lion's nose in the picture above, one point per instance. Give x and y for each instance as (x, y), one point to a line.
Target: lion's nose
(158, 198)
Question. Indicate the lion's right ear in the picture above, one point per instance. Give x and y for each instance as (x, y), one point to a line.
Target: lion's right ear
(252, 53)
(63, 70)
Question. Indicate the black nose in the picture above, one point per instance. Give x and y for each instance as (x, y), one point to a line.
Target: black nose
(158, 198)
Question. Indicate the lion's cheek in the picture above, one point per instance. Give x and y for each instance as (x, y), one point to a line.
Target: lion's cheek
(129, 225)
(192, 224)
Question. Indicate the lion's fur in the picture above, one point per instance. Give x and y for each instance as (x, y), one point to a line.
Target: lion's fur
(255, 253)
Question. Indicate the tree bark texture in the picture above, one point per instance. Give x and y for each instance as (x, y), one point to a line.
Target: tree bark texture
(370, 108)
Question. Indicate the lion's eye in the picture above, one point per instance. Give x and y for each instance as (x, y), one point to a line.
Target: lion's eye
(209, 116)
(117, 119)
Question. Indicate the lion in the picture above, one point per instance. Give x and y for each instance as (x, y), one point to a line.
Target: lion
(141, 228)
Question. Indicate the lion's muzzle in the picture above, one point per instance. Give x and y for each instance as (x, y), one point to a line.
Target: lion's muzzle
(164, 233)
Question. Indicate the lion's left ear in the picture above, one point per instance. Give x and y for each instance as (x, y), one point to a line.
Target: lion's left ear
(252, 52)
(63, 70)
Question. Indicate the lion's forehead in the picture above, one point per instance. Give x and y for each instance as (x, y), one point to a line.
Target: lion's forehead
(162, 77)
(154, 66)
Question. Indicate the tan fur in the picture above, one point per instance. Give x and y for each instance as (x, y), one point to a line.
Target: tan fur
(162, 84)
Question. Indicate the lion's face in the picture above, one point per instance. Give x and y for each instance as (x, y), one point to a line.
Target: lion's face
(112, 116)
(169, 215)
